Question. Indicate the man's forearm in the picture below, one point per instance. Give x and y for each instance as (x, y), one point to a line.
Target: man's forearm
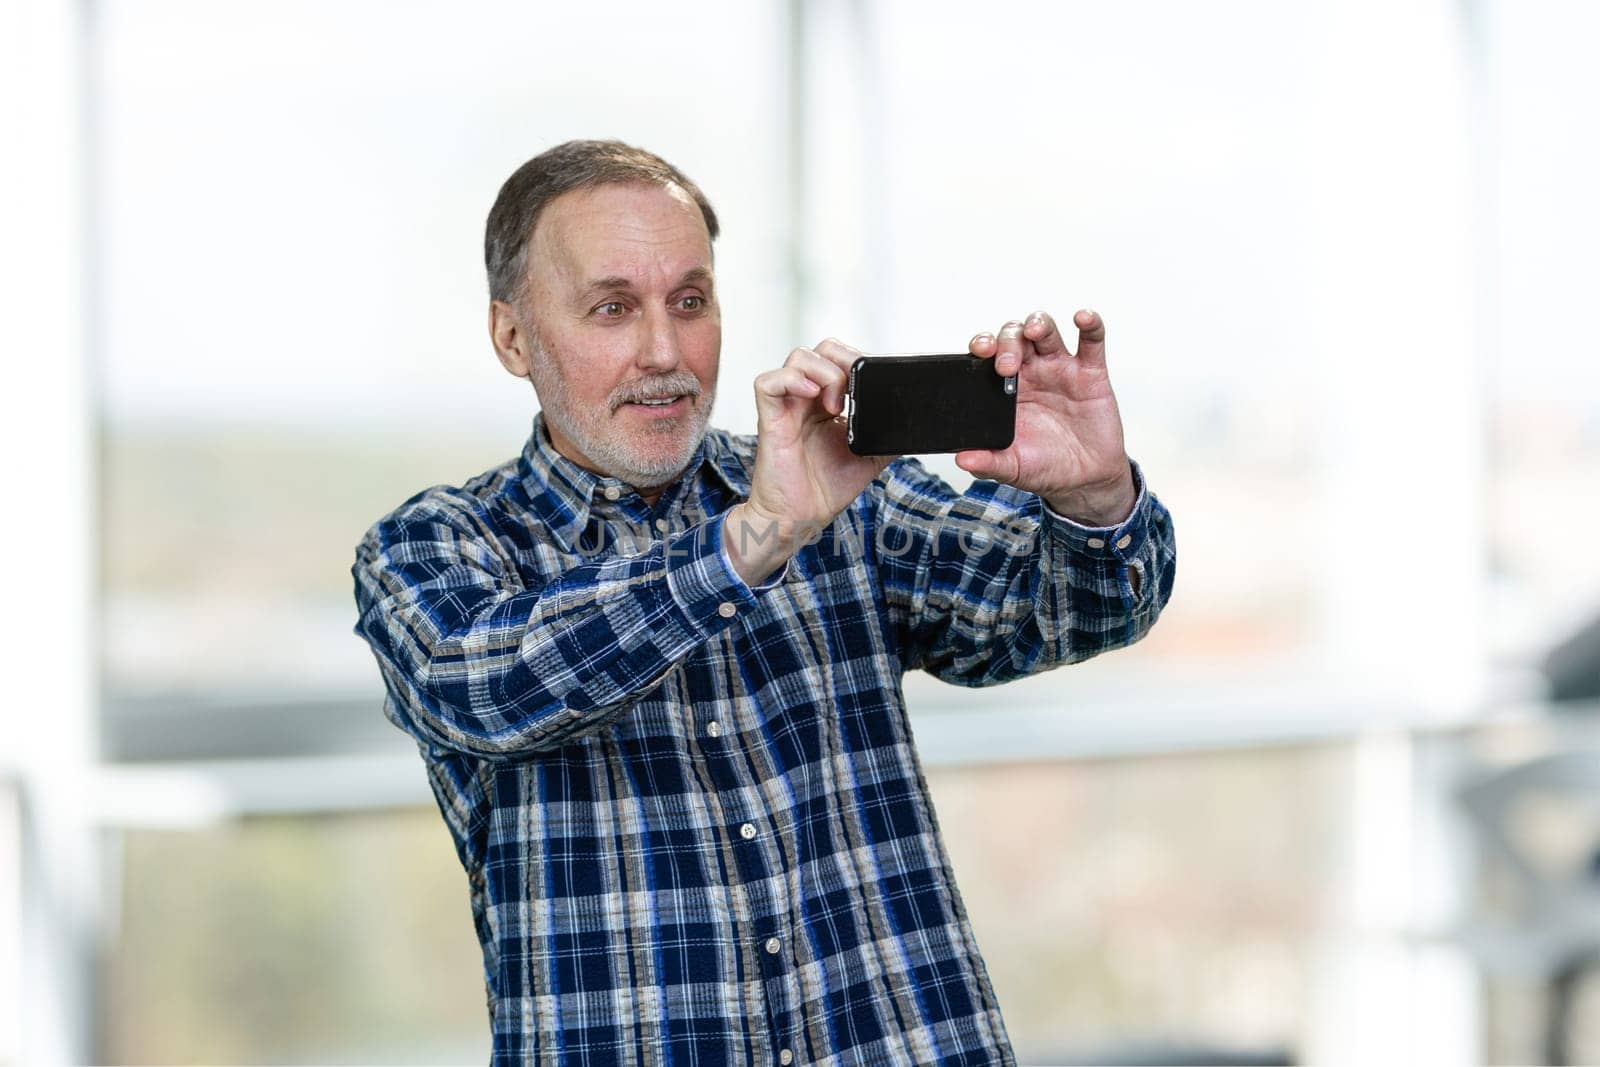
(483, 665)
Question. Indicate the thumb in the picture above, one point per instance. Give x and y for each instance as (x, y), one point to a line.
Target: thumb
(1001, 465)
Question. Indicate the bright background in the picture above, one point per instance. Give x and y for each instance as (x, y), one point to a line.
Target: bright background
(1345, 252)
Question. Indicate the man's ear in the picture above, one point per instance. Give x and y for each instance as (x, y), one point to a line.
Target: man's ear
(512, 343)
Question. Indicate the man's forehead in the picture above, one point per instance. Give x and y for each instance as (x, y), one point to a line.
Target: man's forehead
(621, 231)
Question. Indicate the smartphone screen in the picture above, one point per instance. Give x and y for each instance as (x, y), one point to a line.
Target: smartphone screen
(929, 403)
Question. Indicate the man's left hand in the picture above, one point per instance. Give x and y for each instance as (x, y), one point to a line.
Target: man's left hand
(1068, 447)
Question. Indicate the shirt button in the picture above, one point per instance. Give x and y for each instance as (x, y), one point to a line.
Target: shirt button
(611, 492)
(1125, 540)
(747, 831)
(773, 945)
(714, 728)
(1095, 542)
(785, 1057)
(661, 524)
(726, 610)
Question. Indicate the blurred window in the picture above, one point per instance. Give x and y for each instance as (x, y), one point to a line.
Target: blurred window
(323, 939)
(1545, 373)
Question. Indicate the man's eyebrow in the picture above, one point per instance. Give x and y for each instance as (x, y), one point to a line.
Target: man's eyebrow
(616, 283)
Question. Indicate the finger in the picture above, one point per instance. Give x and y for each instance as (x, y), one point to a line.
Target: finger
(982, 345)
(1009, 349)
(1040, 328)
(842, 356)
(826, 373)
(1001, 466)
(838, 353)
(775, 385)
(1091, 336)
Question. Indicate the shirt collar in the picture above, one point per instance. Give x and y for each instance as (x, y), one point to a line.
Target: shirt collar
(562, 493)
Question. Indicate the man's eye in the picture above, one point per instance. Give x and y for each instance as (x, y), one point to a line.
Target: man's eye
(610, 309)
(693, 303)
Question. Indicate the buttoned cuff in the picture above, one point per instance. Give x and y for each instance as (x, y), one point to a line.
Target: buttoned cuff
(703, 583)
(1124, 541)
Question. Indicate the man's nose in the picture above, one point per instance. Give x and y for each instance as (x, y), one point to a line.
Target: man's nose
(658, 348)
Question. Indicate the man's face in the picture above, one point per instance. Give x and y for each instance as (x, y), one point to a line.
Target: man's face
(623, 329)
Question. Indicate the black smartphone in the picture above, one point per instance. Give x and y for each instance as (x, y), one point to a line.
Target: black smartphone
(900, 405)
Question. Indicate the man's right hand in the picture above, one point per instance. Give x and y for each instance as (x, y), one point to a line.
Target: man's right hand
(805, 473)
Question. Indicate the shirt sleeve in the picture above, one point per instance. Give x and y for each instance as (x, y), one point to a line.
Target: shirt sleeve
(478, 664)
(991, 584)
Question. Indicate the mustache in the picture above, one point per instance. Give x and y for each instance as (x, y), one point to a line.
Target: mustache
(660, 387)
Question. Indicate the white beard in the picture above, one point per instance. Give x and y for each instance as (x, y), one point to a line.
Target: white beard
(655, 460)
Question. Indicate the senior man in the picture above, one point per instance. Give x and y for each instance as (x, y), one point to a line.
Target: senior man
(654, 669)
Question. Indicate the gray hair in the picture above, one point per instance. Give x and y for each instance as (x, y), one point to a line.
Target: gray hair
(569, 166)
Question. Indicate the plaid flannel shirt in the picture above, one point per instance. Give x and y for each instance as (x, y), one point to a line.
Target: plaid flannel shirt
(693, 821)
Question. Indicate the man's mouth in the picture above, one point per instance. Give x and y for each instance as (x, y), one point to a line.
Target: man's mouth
(657, 396)
(661, 405)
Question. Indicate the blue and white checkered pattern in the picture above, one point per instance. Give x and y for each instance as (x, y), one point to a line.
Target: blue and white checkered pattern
(690, 810)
